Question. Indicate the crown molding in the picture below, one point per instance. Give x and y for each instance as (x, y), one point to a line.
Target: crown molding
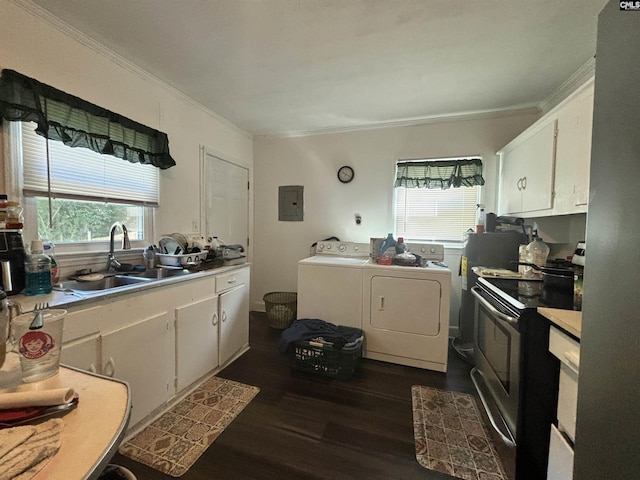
(87, 41)
(414, 122)
(585, 73)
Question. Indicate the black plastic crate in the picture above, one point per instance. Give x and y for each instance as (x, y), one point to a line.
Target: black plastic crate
(326, 360)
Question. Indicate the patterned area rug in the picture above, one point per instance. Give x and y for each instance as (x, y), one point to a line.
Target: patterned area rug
(173, 442)
(451, 437)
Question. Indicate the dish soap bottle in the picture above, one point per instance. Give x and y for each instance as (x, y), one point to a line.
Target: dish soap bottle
(50, 252)
(37, 266)
(536, 252)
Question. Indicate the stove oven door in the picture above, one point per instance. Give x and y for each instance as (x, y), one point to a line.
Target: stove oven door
(497, 359)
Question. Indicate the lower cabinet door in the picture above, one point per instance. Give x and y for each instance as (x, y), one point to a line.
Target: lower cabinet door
(82, 353)
(560, 457)
(142, 354)
(234, 321)
(196, 340)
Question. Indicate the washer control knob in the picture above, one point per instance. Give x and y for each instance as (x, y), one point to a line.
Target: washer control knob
(328, 246)
(356, 248)
(320, 246)
(342, 247)
(423, 250)
(432, 250)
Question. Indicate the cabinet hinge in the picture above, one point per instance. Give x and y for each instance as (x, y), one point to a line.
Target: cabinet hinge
(248, 185)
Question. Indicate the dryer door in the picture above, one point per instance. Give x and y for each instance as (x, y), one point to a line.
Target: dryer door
(407, 305)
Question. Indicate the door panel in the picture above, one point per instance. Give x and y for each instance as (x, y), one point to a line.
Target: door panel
(226, 200)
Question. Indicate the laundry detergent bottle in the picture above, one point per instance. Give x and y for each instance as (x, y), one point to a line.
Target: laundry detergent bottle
(388, 242)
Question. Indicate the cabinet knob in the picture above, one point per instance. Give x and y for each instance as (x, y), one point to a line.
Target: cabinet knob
(215, 319)
(524, 183)
(224, 316)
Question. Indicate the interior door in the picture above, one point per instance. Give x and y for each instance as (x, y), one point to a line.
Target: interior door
(226, 191)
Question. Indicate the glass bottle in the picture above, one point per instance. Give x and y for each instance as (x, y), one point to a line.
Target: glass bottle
(536, 252)
(37, 266)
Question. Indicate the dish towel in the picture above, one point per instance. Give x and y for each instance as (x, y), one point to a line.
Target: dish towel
(25, 450)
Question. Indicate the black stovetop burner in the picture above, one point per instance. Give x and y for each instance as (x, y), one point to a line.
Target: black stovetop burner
(533, 294)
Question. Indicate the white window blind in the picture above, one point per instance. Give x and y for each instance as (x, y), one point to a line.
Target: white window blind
(79, 173)
(434, 214)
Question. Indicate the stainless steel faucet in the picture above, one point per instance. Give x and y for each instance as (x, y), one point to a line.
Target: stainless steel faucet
(113, 263)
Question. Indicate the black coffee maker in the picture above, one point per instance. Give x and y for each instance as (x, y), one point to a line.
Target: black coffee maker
(12, 256)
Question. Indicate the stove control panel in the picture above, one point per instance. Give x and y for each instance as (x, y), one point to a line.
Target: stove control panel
(342, 249)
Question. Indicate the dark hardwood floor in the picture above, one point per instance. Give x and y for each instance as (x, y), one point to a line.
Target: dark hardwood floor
(303, 426)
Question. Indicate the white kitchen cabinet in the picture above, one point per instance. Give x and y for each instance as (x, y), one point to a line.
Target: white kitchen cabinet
(573, 152)
(545, 170)
(142, 354)
(233, 311)
(81, 338)
(161, 340)
(567, 350)
(82, 353)
(196, 340)
(527, 171)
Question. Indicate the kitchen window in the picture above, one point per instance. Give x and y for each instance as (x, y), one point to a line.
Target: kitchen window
(436, 200)
(89, 192)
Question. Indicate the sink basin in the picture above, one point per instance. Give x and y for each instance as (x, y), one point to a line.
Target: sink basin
(160, 273)
(103, 284)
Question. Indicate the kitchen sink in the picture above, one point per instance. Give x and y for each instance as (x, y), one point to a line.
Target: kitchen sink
(160, 273)
(104, 284)
(119, 281)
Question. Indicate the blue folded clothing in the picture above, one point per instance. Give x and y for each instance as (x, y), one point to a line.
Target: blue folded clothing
(313, 328)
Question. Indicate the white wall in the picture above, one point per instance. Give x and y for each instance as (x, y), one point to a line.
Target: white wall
(38, 49)
(330, 206)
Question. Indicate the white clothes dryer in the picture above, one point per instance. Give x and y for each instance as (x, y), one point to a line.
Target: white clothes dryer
(406, 314)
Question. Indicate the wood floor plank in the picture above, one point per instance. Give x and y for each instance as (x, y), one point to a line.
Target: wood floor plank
(304, 426)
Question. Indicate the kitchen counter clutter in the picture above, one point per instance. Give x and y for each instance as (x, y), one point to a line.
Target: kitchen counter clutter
(180, 328)
(91, 432)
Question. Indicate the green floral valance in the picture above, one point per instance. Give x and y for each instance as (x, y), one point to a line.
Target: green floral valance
(439, 174)
(78, 123)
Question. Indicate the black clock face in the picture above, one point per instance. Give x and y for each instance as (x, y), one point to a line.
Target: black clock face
(345, 174)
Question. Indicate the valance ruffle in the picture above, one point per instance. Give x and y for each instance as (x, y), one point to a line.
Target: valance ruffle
(78, 123)
(439, 174)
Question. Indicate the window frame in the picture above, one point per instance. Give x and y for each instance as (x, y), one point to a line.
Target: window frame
(12, 150)
(450, 242)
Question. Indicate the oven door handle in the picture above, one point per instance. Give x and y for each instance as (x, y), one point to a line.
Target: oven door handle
(506, 318)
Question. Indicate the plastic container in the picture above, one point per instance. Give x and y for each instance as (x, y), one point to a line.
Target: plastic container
(281, 307)
(325, 360)
(536, 252)
(49, 250)
(388, 242)
(37, 267)
(480, 220)
(150, 257)
(400, 246)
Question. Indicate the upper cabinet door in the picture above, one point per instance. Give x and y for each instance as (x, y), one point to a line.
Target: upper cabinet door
(527, 168)
(573, 153)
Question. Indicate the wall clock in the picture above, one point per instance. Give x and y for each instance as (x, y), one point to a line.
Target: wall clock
(345, 174)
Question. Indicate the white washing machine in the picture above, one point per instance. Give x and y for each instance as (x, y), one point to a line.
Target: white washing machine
(330, 283)
(406, 311)
(403, 311)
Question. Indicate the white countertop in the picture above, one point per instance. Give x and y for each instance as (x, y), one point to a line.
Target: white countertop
(568, 320)
(62, 299)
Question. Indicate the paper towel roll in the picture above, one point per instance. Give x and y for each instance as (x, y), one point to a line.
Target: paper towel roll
(40, 398)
